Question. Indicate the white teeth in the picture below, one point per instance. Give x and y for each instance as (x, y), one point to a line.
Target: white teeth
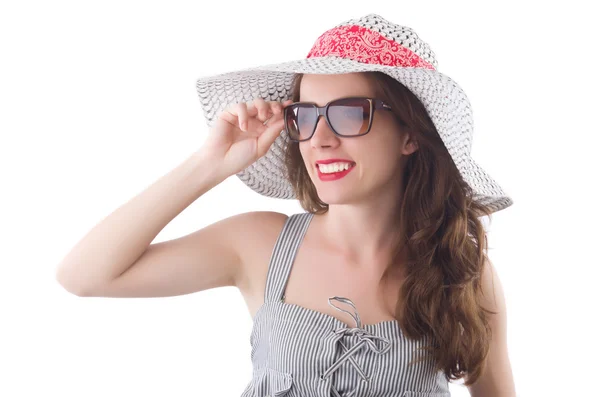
(334, 167)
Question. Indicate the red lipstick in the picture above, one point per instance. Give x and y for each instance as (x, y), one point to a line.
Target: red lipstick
(334, 175)
(329, 161)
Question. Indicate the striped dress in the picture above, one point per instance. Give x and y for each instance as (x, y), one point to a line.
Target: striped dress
(298, 351)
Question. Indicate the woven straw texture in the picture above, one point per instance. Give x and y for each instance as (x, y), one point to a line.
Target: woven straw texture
(446, 103)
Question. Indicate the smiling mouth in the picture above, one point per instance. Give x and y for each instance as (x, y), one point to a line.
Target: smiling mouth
(351, 165)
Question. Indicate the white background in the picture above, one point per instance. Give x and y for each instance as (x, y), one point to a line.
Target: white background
(98, 100)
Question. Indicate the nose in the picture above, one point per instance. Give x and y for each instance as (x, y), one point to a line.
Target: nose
(324, 136)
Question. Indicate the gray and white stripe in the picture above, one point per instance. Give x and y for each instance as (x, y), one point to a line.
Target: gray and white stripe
(298, 351)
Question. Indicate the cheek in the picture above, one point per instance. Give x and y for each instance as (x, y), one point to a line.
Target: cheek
(382, 158)
(380, 152)
(389, 146)
(303, 153)
(302, 147)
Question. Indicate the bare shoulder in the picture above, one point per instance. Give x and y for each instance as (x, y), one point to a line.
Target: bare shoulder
(258, 233)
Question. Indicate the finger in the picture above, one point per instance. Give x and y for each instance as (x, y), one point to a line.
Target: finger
(263, 109)
(275, 113)
(266, 139)
(227, 116)
(251, 108)
(257, 127)
(276, 107)
(242, 113)
(286, 104)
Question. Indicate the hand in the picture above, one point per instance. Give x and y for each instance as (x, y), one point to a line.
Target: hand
(240, 136)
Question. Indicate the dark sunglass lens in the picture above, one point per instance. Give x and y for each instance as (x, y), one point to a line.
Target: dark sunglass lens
(300, 121)
(350, 116)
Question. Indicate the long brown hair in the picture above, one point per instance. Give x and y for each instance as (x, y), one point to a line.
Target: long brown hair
(445, 243)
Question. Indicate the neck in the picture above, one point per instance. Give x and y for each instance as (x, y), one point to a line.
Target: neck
(364, 235)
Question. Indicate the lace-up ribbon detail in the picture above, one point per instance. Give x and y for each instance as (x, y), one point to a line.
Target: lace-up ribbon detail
(376, 344)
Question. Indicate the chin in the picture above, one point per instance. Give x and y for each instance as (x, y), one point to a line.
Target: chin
(335, 197)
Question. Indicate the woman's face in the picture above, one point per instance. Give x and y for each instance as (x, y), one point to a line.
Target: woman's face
(378, 156)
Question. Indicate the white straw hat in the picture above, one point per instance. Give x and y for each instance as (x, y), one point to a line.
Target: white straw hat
(370, 43)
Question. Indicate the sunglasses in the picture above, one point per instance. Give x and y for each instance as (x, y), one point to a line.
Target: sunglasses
(346, 117)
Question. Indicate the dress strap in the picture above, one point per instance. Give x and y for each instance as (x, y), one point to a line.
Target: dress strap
(284, 253)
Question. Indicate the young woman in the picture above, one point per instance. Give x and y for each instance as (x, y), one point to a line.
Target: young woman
(383, 286)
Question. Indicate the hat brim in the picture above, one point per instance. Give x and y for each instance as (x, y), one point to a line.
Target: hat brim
(445, 101)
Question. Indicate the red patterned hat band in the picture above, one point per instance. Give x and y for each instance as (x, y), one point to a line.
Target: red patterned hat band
(365, 45)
